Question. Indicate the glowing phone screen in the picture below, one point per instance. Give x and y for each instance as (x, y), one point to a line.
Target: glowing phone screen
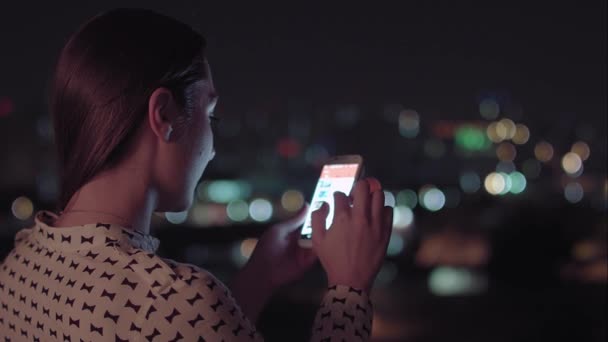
(334, 177)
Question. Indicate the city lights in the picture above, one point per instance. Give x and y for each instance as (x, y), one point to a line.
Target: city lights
(431, 198)
(506, 152)
(260, 210)
(403, 217)
(522, 134)
(543, 151)
(292, 200)
(489, 109)
(177, 217)
(22, 208)
(237, 211)
(573, 192)
(470, 182)
(572, 163)
(409, 123)
(581, 149)
(407, 198)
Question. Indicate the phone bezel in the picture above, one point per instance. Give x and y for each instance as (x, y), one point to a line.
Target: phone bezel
(341, 159)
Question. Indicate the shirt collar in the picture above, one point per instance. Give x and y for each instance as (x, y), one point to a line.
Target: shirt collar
(89, 235)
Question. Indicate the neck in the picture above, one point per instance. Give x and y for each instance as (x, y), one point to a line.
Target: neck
(117, 197)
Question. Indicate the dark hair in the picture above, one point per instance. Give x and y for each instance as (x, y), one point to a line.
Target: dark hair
(103, 79)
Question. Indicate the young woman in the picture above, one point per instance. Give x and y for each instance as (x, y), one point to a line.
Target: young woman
(132, 102)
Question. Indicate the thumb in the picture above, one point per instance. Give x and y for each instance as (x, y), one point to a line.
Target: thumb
(318, 219)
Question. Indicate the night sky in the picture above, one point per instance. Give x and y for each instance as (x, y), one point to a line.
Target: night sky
(547, 61)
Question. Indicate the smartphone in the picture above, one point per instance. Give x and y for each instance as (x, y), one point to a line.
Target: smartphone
(339, 174)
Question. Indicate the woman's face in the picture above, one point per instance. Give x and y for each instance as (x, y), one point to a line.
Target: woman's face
(192, 149)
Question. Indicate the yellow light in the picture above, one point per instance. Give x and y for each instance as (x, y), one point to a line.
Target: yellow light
(22, 208)
(571, 163)
(522, 134)
(582, 149)
(247, 247)
(506, 128)
(495, 183)
(543, 151)
(506, 151)
(292, 200)
(492, 133)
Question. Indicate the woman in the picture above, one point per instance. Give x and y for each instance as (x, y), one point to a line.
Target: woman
(132, 102)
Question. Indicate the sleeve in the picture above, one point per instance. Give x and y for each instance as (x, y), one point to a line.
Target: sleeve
(202, 310)
(345, 315)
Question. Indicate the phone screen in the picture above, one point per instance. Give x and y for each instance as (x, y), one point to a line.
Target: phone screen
(334, 177)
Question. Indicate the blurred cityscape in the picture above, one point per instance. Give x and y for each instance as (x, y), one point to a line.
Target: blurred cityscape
(499, 185)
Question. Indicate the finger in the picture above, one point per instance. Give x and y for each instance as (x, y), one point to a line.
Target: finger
(341, 203)
(374, 184)
(361, 198)
(318, 218)
(378, 209)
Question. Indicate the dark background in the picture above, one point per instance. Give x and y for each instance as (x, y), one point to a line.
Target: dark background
(334, 77)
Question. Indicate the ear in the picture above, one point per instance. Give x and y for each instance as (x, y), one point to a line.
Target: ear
(162, 112)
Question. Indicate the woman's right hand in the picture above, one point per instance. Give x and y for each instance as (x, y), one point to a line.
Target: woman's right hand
(353, 248)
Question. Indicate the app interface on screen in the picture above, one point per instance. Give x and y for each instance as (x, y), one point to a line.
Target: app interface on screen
(335, 177)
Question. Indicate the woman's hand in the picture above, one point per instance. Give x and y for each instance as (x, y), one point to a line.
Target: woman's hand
(276, 260)
(277, 254)
(353, 248)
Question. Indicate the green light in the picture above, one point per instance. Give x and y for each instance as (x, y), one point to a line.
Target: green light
(225, 191)
(518, 182)
(471, 138)
(238, 210)
(407, 198)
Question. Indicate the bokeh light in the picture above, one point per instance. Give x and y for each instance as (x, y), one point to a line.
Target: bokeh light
(177, 217)
(495, 183)
(407, 198)
(451, 281)
(395, 245)
(522, 134)
(223, 191)
(518, 182)
(489, 108)
(389, 198)
(470, 182)
(506, 151)
(573, 192)
(431, 198)
(505, 129)
(403, 217)
(471, 138)
(238, 210)
(572, 163)
(316, 154)
(581, 149)
(409, 123)
(505, 166)
(492, 133)
(260, 210)
(22, 208)
(543, 151)
(292, 200)
(248, 246)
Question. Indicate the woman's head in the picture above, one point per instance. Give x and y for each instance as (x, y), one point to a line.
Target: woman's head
(133, 84)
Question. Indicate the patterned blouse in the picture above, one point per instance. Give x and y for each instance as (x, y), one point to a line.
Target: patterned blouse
(103, 282)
